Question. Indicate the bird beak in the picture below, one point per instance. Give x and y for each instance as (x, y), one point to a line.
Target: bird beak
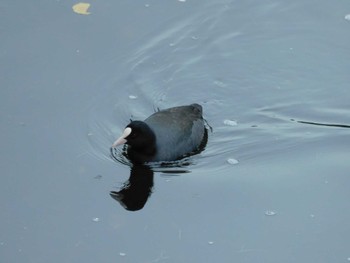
(121, 140)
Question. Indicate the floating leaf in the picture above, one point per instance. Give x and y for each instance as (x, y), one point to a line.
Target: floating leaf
(81, 8)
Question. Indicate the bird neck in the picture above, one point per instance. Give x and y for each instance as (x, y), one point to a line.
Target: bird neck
(141, 155)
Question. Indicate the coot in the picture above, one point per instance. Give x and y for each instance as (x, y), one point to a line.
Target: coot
(166, 135)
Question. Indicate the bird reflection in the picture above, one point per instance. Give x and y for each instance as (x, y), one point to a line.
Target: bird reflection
(136, 190)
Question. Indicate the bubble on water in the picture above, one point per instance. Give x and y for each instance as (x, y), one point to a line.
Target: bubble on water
(132, 97)
(347, 17)
(270, 212)
(210, 242)
(230, 122)
(182, 0)
(122, 254)
(96, 219)
(232, 161)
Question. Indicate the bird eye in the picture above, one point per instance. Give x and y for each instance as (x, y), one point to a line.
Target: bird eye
(133, 135)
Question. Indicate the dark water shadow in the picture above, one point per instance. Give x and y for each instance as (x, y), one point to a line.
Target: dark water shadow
(135, 192)
(325, 124)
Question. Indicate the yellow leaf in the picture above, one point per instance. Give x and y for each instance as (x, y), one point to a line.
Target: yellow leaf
(81, 8)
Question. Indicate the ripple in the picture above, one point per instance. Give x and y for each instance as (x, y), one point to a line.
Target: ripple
(203, 59)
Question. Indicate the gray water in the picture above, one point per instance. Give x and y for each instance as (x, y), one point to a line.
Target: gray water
(267, 188)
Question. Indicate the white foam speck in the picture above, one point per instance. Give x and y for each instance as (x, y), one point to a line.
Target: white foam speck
(182, 0)
(219, 83)
(132, 97)
(96, 219)
(232, 161)
(270, 213)
(347, 17)
(122, 254)
(230, 122)
(210, 242)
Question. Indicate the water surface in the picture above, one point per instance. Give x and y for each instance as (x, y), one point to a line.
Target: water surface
(272, 184)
